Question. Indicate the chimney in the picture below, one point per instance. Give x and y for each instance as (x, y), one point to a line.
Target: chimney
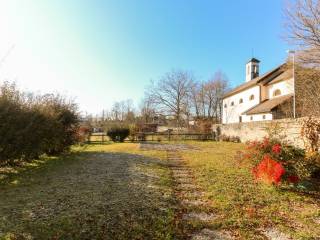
(252, 69)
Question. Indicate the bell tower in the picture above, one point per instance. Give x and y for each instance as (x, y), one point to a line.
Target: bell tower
(252, 69)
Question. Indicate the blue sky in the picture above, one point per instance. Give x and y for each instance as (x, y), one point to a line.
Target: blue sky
(104, 51)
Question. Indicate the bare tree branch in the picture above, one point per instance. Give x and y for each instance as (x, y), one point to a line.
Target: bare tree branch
(171, 93)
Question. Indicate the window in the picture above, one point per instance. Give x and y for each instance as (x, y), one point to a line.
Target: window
(225, 106)
(251, 97)
(240, 118)
(232, 103)
(251, 118)
(263, 116)
(276, 92)
(241, 100)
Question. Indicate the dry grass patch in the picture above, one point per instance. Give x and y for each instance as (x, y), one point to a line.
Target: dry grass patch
(99, 192)
(244, 206)
(118, 191)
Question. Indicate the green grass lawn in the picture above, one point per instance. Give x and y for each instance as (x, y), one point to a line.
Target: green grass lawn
(117, 191)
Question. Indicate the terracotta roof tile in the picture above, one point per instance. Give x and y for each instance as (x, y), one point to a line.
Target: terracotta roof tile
(267, 105)
(263, 79)
(287, 74)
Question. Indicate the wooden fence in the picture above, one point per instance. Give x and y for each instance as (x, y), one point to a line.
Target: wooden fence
(156, 137)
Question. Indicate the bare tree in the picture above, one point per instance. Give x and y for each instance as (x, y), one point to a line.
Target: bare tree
(303, 29)
(202, 99)
(197, 99)
(219, 85)
(147, 110)
(194, 98)
(207, 97)
(116, 111)
(170, 94)
(122, 111)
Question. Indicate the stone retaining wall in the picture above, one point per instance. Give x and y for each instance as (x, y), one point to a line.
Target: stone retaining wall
(289, 128)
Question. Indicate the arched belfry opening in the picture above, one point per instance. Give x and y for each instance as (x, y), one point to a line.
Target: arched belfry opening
(252, 69)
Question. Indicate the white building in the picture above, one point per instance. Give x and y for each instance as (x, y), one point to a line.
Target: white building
(260, 97)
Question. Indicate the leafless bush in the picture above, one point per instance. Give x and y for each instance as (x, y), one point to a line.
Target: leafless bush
(307, 91)
(311, 134)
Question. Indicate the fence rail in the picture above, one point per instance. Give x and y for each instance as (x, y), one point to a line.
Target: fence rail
(158, 137)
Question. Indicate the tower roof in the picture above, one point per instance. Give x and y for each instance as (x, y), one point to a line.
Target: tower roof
(254, 60)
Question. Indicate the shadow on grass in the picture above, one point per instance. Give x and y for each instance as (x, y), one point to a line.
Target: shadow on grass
(99, 143)
(88, 195)
(309, 188)
(10, 174)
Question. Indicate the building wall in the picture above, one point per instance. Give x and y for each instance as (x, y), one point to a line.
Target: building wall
(286, 87)
(231, 113)
(257, 117)
(290, 128)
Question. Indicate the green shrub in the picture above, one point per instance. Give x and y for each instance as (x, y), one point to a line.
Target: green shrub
(31, 125)
(118, 134)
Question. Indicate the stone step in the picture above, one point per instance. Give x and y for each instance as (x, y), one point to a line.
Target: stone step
(274, 234)
(207, 234)
(182, 175)
(177, 169)
(193, 203)
(183, 180)
(199, 216)
(187, 186)
(194, 194)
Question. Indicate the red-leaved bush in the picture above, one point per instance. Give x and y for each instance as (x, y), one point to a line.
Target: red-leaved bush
(276, 148)
(268, 171)
(293, 179)
(275, 161)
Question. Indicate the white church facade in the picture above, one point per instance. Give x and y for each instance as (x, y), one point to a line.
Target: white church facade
(260, 97)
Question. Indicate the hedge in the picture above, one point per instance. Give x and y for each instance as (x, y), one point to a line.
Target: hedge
(32, 125)
(118, 134)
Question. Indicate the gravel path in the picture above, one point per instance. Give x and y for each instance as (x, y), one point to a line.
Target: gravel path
(94, 195)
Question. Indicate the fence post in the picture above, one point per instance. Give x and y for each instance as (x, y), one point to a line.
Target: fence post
(89, 138)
